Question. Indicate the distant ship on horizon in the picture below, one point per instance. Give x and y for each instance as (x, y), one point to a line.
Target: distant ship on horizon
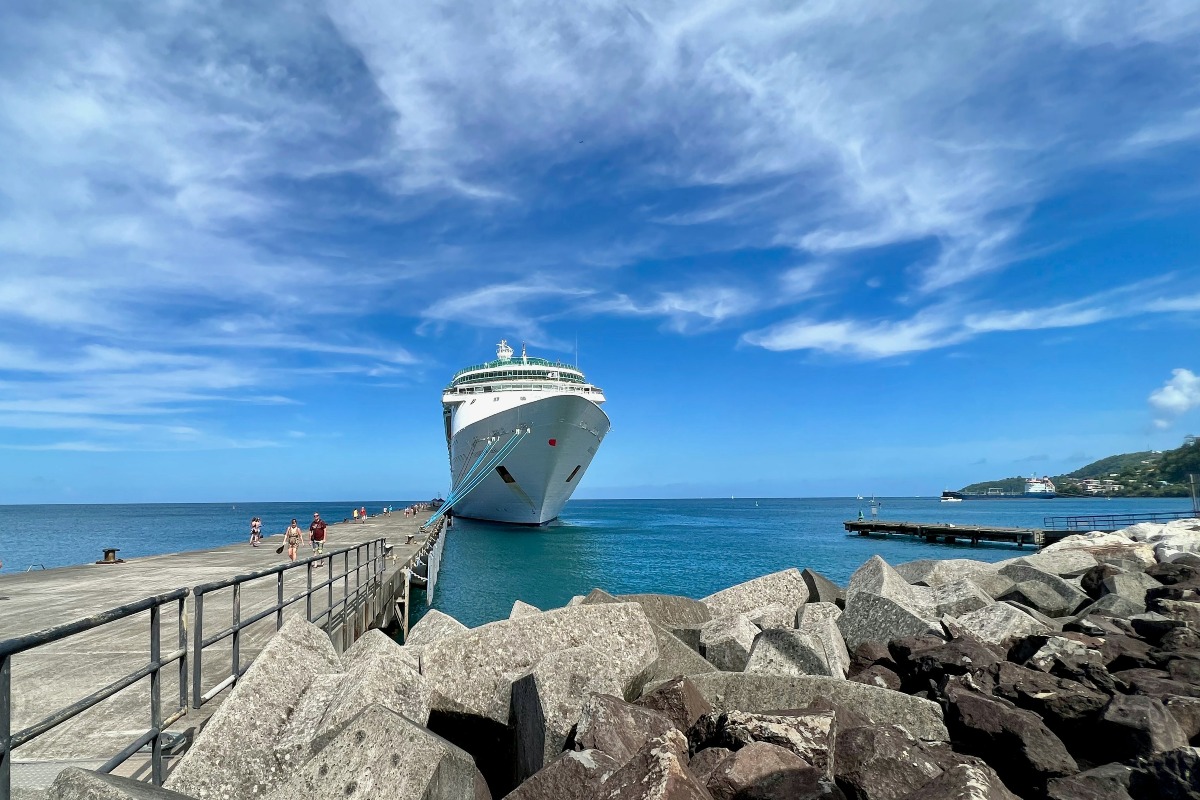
(1035, 489)
(520, 433)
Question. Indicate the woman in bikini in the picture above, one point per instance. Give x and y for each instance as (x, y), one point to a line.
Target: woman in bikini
(293, 536)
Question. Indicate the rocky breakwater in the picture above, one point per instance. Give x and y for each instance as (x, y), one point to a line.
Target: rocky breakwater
(1069, 674)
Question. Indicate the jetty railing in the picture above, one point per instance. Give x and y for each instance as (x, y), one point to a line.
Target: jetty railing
(9, 741)
(369, 567)
(1111, 522)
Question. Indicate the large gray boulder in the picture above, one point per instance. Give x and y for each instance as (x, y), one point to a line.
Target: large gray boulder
(672, 618)
(1070, 597)
(547, 700)
(789, 652)
(821, 589)
(1000, 622)
(433, 627)
(877, 577)
(472, 672)
(873, 618)
(774, 615)
(726, 641)
(377, 643)
(82, 784)
(960, 596)
(373, 678)
(675, 657)
(1130, 585)
(820, 621)
(233, 756)
(379, 754)
(1115, 549)
(668, 610)
(522, 609)
(1063, 563)
(786, 587)
(728, 691)
(936, 571)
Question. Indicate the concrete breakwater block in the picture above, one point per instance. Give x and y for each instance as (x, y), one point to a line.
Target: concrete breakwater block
(821, 589)
(789, 652)
(873, 618)
(433, 627)
(676, 622)
(668, 610)
(728, 691)
(472, 672)
(233, 756)
(374, 643)
(1000, 622)
(547, 700)
(1065, 600)
(820, 620)
(522, 609)
(380, 754)
(726, 641)
(787, 588)
(81, 784)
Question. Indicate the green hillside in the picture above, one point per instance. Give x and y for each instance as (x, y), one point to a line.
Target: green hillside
(1142, 474)
(1113, 464)
(1016, 484)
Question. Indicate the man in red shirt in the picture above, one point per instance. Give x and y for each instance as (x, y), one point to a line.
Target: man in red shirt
(316, 533)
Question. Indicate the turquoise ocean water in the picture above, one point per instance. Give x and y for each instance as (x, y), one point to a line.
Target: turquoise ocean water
(690, 547)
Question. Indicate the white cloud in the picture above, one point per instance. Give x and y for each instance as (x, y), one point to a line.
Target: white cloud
(1177, 396)
(949, 324)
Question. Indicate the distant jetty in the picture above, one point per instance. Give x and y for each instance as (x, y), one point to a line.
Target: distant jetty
(1071, 672)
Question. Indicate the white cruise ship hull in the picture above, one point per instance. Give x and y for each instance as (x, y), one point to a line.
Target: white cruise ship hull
(533, 482)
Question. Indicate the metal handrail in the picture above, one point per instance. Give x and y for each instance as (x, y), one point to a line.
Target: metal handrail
(1111, 522)
(9, 741)
(374, 564)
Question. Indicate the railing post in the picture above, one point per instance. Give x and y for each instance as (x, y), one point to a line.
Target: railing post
(156, 696)
(308, 594)
(5, 726)
(329, 589)
(279, 602)
(183, 660)
(198, 652)
(237, 632)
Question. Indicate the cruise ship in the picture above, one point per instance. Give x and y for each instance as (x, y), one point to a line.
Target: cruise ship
(521, 432)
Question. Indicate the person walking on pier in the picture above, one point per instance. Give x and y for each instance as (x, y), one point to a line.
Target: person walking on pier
(316, 532)
(255, 531)
(292, 537)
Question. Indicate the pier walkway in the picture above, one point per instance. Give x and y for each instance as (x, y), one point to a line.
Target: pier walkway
(952, 533)
(53, 676)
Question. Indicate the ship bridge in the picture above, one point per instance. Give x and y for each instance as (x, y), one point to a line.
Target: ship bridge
(523, 372)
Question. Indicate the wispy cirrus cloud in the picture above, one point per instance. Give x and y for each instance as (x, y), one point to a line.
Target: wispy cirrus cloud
(950, 324)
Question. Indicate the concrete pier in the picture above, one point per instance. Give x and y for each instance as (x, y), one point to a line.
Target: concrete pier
(53, 676)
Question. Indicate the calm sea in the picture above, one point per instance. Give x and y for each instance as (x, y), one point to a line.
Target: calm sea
(689, 547)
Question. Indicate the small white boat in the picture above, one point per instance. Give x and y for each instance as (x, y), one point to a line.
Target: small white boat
(951, 499)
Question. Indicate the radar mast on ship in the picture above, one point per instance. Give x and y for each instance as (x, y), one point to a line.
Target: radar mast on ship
(503, 351)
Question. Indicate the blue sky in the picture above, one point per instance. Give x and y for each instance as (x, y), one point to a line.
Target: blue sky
(808, 248)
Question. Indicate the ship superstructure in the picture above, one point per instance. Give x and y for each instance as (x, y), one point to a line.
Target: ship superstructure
(521, 432)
